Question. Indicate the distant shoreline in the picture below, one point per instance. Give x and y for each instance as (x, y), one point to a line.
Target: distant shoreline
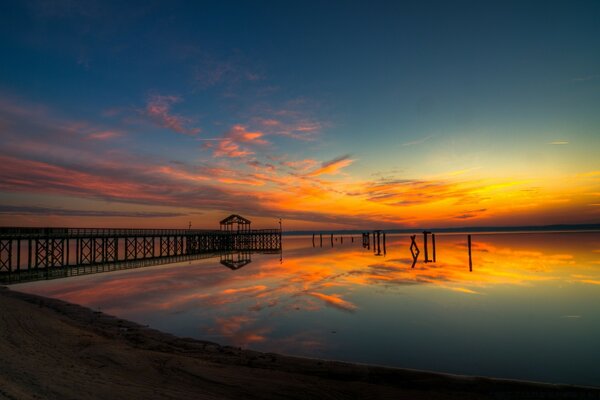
(53, 349)
(481, 229)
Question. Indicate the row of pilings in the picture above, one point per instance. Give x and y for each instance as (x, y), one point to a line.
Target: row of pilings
(377, 241)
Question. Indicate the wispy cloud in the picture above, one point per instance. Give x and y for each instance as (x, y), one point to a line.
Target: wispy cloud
(158, 109)
(33, 210)
(417, 141)
(104, 135)
(335, 301)
(586, 78)
(333, 167)
(231, 143)
(296, 119)
(559, 142)
(211, 71)
(471, 214)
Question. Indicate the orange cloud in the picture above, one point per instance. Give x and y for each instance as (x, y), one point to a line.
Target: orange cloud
(332, 167)
(335, 301)
(230, 146)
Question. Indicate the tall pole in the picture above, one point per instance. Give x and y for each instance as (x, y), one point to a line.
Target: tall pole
(469, 245)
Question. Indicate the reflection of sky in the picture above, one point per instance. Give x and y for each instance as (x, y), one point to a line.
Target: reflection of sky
(528, 310)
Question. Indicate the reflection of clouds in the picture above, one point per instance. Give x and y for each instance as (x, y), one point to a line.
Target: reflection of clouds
(246, 306)
(334, 300)
(310, 342)
(240, 329)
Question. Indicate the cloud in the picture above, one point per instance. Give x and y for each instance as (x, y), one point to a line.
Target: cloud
(211, 71)
(471, 214)
(230, 144)
(418, 141)
(104, 135)
(239, 133)
(332, 167)
(294, 119)
(32, 210)
(586, 78)
(559, 142)
(335, 301)
(158, 109)
(228, 148)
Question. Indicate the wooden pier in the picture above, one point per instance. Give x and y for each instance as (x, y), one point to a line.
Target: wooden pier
(38, 253)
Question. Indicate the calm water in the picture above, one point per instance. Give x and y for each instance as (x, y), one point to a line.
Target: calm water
(530, 309)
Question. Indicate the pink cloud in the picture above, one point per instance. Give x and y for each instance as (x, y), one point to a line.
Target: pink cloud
(104, 135)
(230, 146)
(158, 109)
(291, 124)
(239, 133)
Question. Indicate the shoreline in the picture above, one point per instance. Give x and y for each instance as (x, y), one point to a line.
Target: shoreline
(54, 349)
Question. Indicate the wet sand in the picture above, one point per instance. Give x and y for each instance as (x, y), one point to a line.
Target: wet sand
(50, 349)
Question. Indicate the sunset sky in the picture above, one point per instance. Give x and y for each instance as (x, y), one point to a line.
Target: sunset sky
(326, 114)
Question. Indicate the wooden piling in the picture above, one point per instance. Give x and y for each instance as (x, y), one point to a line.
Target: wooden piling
(433, 245)
(470, 259)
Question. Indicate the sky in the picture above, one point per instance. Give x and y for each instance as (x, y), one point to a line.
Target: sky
(329, 115)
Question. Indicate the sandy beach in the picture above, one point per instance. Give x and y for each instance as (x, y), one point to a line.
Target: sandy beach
(51, 349)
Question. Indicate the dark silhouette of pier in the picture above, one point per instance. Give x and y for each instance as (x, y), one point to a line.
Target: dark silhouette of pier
(44, 253)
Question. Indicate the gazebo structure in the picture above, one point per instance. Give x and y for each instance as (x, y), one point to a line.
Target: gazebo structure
(235, 223)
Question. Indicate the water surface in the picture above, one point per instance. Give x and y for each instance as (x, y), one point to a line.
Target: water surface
(530, 309)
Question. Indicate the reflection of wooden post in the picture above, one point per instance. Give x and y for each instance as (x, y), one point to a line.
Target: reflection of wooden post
(352, 239)
(414, 250)
(313, 240)
(469, 245)
(425, 246)
(342, 239)
(433, 244)
(384, 249)
(321, 239)
(332, 240)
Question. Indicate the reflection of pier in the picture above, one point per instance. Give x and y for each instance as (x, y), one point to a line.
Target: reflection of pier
(236, 260)
(41, 253)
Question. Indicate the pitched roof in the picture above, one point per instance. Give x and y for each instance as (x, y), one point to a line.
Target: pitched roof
(234, 218)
